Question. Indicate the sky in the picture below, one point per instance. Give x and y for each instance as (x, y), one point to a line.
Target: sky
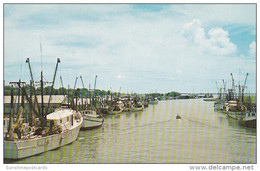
(143, 48)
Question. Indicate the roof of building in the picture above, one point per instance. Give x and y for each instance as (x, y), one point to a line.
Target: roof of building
(54, 99)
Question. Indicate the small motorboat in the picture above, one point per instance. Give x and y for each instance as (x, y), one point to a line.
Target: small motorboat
(178, 116)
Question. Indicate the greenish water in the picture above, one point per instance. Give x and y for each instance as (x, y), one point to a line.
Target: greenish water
(155, 136)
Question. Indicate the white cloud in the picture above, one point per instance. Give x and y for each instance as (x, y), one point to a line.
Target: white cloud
(252, 49)
(217, 41)
(147, 50)
(220, 14)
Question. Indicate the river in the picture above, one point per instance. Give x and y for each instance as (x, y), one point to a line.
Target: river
(155, 136)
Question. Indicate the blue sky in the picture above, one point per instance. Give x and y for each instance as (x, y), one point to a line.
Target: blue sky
(139, 47)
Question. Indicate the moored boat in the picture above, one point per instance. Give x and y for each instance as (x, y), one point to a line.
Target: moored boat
(104, 108)
(128, 106)
(115, 110)
(116, 107)
(91, 119)
(178, 116)
(154, 101)
(138, 107)
(249, 120)
(62, 128)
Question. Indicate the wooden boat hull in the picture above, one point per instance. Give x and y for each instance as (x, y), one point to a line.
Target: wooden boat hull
(92, 122)
(248, 123)
(25, 148)
(235, 115)
(249, 120)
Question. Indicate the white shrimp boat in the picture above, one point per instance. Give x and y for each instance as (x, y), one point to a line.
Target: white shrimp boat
(67, 123)
(91, 119)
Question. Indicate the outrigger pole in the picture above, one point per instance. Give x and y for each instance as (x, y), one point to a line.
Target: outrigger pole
(35, 93)
(82, 92)
(94, 91)
(53, 81)
(74, 93)
(243, 88)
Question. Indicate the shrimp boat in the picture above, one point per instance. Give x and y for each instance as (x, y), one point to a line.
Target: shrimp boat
(117, 107)
(43, 131)
(63, 129)
(104, 108)
(138, 107)
(249, 120)
(154, 100)
(91, 119)
(115, 110)
(128, 106)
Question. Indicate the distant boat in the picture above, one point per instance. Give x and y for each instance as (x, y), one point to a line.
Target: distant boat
(234, 111)
(64, 125)
(138, 107)
(249, 120)
(154, 101)
(104, 108)
(178, 116)
(116, 108)
(91, 119)
(128, 106)
(146, 103)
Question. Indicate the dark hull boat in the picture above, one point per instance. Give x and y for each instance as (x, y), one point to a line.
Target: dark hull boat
(249, 120)
(178, 116)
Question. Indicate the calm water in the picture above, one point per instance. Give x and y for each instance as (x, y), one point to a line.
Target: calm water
(155, 136)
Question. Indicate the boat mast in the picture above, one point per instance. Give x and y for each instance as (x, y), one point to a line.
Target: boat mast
(11, 114)
(61, 82)
(224, 89)
(243, 88)
(93, 96)
(83, 89)
(32, 81)
(233, 86)
(53, 81)
(74, 93)
(82, 82)
(43, 117)
(28, 99)
(30, 112)
(68, 96)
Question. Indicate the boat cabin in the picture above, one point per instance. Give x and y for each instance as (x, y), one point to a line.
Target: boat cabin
(62, 117)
